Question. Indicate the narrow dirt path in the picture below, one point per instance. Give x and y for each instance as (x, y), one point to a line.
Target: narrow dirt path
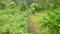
(32, 28)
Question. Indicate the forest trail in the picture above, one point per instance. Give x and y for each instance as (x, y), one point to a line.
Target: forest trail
(32, 28)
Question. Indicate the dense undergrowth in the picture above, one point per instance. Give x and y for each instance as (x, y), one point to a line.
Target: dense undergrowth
(16, 22)
(15, 18)
(48, 22)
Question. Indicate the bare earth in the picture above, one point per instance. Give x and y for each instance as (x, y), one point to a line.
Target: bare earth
(32, 28)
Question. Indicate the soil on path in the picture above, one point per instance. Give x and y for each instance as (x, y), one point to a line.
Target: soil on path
(32, 28)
